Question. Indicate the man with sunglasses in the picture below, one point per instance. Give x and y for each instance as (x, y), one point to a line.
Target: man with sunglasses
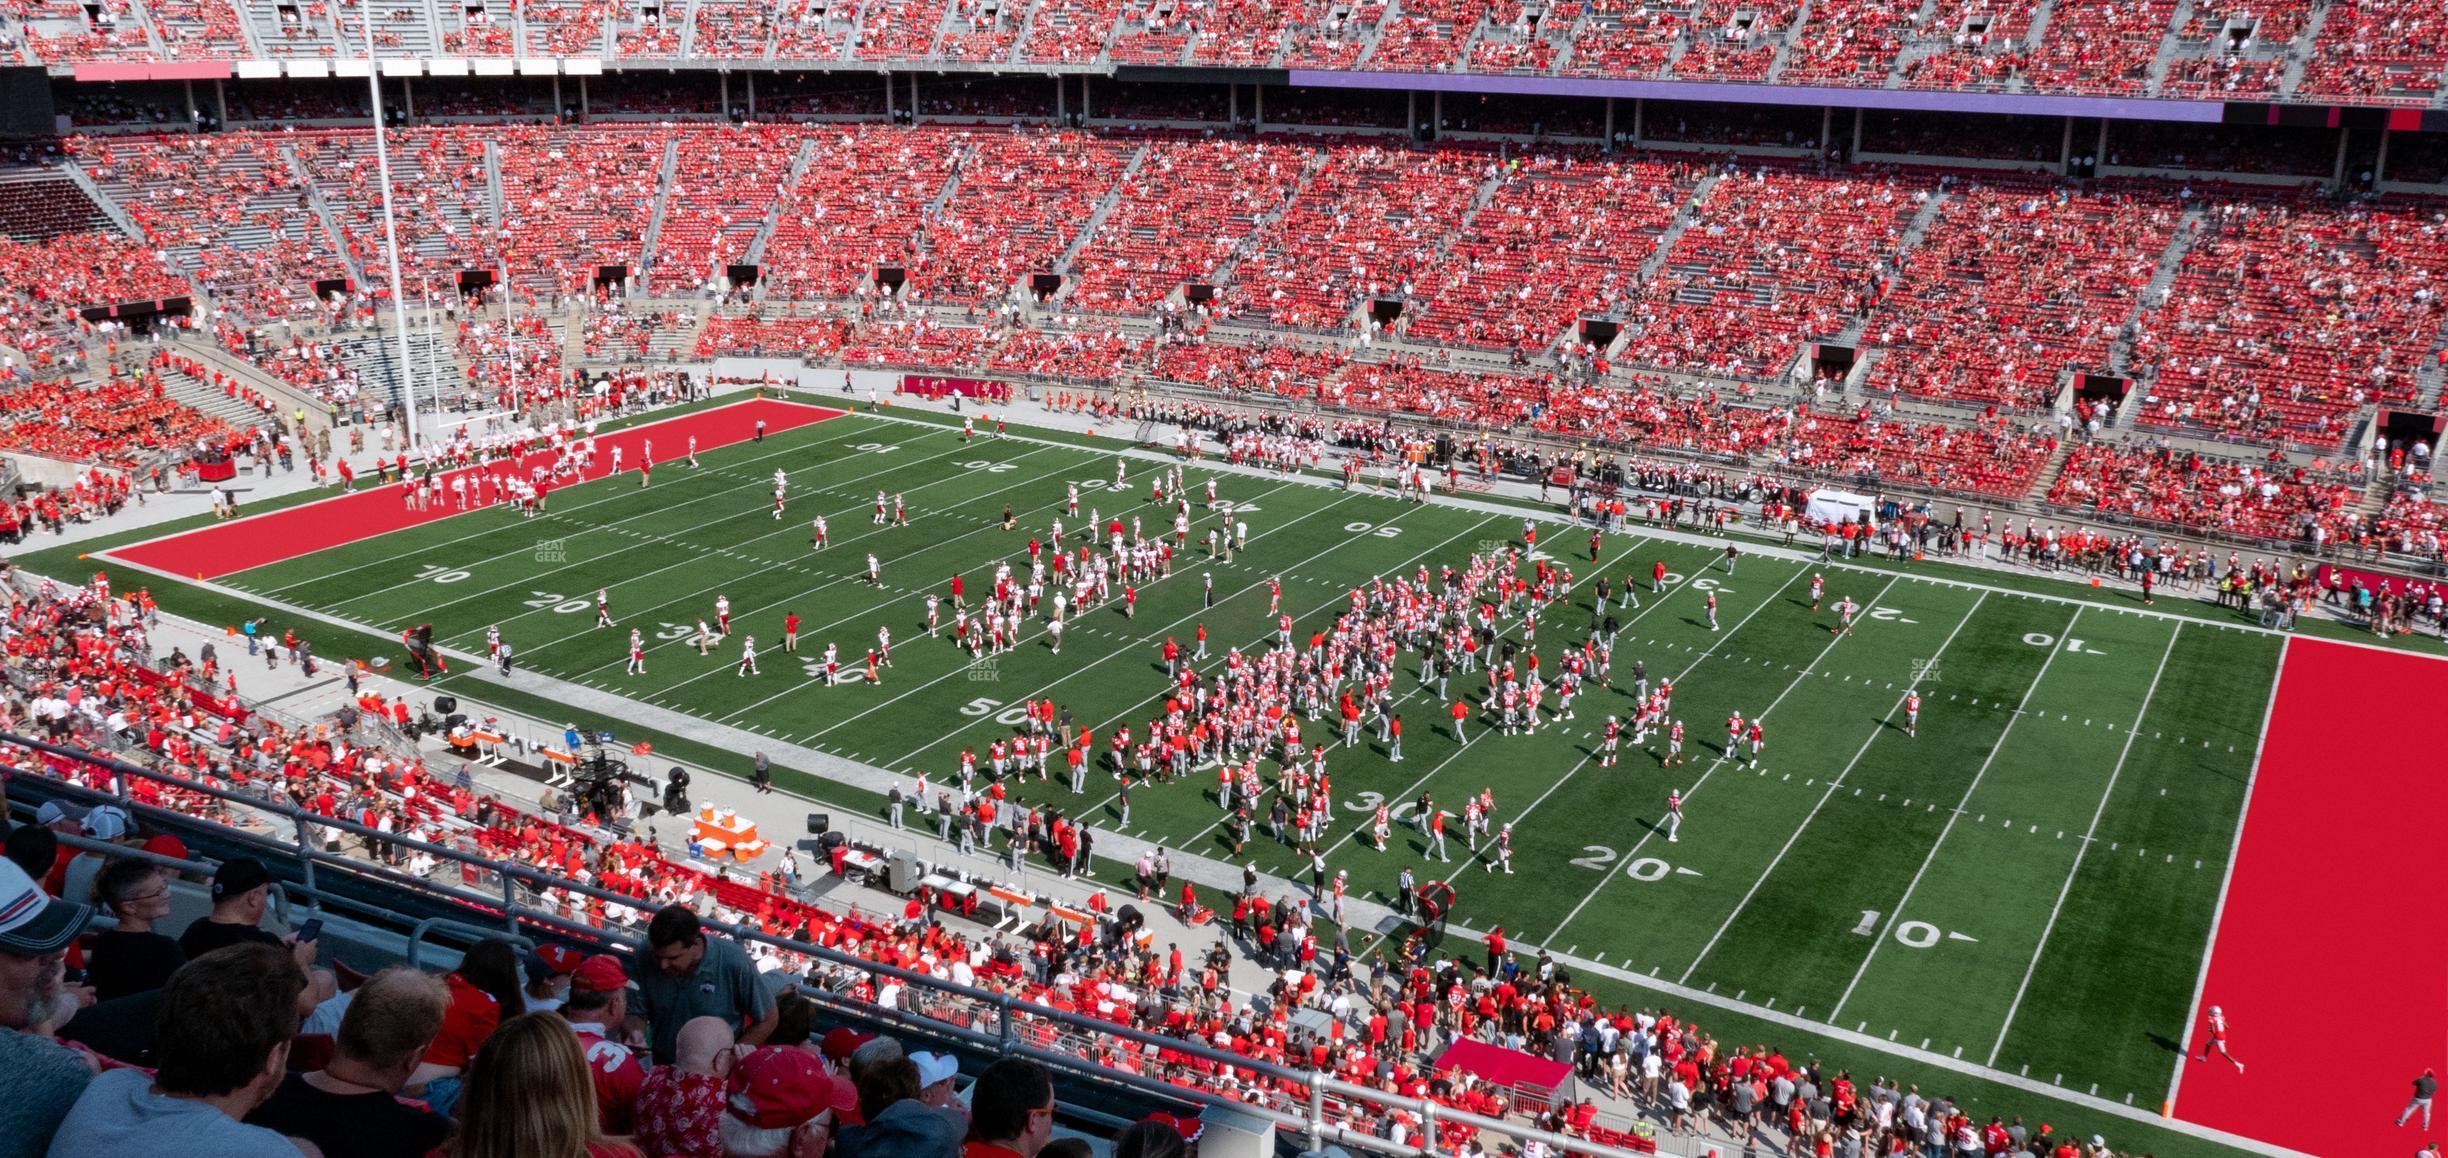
(132, 958)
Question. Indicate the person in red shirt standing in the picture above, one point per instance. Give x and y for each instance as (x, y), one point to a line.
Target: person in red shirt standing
(1657, 576)
(1495, 947)
(2214, 1029)
(790, 632)
(599, 1001)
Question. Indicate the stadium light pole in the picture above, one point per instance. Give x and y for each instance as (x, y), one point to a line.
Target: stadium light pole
(382, 163)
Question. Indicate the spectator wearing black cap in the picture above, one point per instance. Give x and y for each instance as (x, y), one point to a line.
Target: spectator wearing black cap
(39, 1078)
(241, 892)
(351, 1105)
(227, 1019)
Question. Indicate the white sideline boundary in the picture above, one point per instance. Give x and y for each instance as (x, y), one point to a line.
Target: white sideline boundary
(2201, 976)
(2132, 733)
(1207, 871)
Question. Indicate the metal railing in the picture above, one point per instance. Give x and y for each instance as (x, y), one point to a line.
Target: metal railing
(1307, 1102)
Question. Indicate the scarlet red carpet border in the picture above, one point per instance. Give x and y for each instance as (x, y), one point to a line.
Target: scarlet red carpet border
(241, 544)
(2330, 959)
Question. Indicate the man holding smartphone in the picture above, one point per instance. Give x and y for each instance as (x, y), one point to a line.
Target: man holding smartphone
(241, 892)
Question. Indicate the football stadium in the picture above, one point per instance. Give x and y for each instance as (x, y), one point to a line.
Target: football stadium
(1386, 578)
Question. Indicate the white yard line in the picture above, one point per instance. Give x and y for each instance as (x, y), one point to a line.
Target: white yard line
(548, 520)
(1656, 600)
(464, 538)
(1995, 747)
(1337, 601)
(1591, 756)
(1884, 724)
(2084, 848)
(1127, 650)
(729, 716)
(1607, 876)
(700, 593)
(2201, 976)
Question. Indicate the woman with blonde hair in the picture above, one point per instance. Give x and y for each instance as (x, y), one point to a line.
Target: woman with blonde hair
(528, 1095)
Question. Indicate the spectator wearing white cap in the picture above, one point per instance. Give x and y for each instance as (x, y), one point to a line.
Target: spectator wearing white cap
(64, 819)
(895, 1122)
(40, 1079)
(936, 1073)
(74, 871)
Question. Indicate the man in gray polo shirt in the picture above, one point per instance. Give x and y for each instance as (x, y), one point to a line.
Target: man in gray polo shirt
(692, 975)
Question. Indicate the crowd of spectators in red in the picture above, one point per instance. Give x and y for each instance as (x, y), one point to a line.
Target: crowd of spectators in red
(2186, 490)
(125, 420)
(2373, 51)
(1770, 257)
(2011, 284)
(1555, 242)
(2286, 318)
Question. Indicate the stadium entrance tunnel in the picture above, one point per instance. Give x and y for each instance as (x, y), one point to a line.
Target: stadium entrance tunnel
(1045, 285)
(2092, 388)
(140, 317)
(474, 281)
(2402, 430)
(611, 276)
(890, 278)
(1831, 361)
(1384, 311)
(1600, 332)
(740, 276)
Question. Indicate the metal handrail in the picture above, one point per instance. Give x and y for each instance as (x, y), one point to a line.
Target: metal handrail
(1009, 1011)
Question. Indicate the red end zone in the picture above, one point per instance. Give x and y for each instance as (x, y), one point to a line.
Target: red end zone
(228, 548)
(2330, 960)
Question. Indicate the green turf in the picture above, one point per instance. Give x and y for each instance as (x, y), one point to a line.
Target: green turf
(1762, 900)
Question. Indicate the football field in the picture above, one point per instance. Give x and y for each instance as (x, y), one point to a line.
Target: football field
(2028, 885)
